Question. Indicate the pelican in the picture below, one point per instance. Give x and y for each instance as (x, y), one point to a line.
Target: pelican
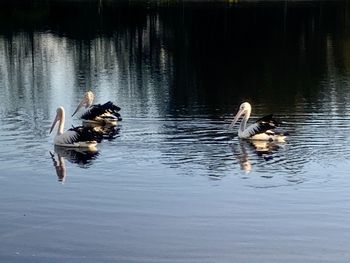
(98, 114)
(75, 137)
(261, 130)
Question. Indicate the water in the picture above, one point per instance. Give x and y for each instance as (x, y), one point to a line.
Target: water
(174, 185)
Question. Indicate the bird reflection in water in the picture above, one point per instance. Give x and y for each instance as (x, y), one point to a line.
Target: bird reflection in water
(74, 155)
(244, 149)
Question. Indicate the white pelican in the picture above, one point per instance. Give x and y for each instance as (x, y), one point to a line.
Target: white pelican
(98, 114)
(261, 130)
(82, 137)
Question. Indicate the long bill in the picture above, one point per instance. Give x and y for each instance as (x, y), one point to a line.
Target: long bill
(238, 115)
(86, 101)
(81, 104)
(54, 123)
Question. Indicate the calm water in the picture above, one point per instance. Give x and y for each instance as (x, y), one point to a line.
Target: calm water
(174, 186)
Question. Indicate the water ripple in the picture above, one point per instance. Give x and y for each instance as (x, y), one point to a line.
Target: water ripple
(196, 145)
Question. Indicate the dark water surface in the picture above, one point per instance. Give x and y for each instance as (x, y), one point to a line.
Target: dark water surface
(174, 186)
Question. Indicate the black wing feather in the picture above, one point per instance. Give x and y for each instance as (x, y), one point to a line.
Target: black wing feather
(262, 125)
(86, 134)
(268, 122)
(100, 109)
(269, 119)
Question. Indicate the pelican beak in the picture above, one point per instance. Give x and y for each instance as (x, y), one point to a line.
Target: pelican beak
(238, 115)
(86, 101)
(54, 123)
(81, 104)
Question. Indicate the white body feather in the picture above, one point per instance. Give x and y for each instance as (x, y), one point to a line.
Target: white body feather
(68, 138)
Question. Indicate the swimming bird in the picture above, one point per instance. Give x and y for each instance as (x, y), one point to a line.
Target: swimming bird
(98, 114)
(83, 137)
(260, 130)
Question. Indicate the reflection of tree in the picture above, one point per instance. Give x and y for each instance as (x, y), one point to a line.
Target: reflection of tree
(164, 60)
(157, 56)
(269, 52)
(21, 72)
(132, 59)
(123, 54)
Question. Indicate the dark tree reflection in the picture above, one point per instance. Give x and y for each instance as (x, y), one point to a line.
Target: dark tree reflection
(175, 55)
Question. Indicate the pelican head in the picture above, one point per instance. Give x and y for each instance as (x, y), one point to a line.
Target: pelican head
(86, 101)
(244, 110)
(59, 117)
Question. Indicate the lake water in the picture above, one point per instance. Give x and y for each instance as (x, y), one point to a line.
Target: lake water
(174, 185)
